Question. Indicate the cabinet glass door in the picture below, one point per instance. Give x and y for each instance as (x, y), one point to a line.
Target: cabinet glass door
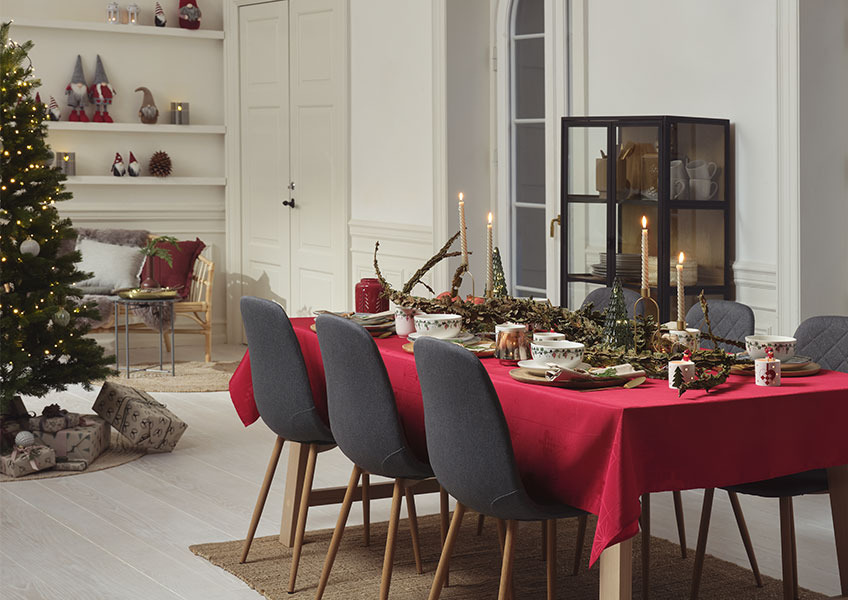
(697, 162)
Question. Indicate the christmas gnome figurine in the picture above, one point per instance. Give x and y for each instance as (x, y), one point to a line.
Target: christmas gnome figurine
(77, 93)
(100, 93)
(159, 18)
(148, 113)
(54, 113)
(133, 169)
(119, 169)
(189, 14)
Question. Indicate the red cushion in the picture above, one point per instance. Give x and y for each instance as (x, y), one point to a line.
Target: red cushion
(179, 274)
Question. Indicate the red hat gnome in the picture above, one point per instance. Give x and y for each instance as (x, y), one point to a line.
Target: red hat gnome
(54, 113)
(77, 93)
(189, 14)
(119, 169)
(159, 18)
(133, 169)
(100, 93)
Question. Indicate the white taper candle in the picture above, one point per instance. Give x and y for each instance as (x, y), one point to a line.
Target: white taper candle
(462, 237)
(681, 294)
(490, 273)
(644, 254)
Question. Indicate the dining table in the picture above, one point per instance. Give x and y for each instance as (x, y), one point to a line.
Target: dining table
(601, 450)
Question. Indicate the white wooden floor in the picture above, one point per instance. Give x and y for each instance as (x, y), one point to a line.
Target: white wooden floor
(125, 532)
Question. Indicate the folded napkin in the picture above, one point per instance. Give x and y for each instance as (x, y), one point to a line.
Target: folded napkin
(558, 373)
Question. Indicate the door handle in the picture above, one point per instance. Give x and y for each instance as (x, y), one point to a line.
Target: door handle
(556, 221)
(289, 203)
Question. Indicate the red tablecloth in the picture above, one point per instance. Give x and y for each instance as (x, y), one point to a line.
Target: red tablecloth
(601, 450)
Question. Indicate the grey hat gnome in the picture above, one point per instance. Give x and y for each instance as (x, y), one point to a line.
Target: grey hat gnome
(77, 93)
(101, 93)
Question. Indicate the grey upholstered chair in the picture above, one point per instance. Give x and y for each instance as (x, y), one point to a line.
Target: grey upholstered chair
(730, 320)
(471, 454)
(600, 299)
(825, 340)
(365, 423)
(284, 400)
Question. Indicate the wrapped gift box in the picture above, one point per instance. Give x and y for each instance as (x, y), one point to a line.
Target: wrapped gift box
(85, 442)
(26, 460)
(52, 424)
(139, 417)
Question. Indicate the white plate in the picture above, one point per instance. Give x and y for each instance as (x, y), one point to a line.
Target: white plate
(462, 338)
(539, 367)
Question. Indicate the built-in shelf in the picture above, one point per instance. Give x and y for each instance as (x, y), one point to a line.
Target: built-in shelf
(134, 127)
(127, 180)
(206, 34)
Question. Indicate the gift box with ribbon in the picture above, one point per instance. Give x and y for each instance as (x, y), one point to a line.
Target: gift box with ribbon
(139, 417)
(24, 460)
(85, 442)
(53, 419)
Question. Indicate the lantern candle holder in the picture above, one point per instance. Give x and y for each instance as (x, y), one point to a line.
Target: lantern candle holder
(180, 113)
(113, 13)
(67, 163)
(132, 13)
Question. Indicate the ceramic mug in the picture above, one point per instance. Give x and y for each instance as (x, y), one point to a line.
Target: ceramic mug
(678, 189)
(767, 372)
(703, 189)
(678, 170)
(405, 320)
(687, 367)
(699, 169)
(690, 338)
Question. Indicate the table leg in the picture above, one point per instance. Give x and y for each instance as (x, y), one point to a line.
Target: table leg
(117, 359)
(837, 478)
(161, 337)
(295, 475)
(617, 571)
(127, 336)
(173, 345)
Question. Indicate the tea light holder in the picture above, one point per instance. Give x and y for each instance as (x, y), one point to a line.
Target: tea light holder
(180, 113)
(67, 162)
(113, 13)
(767, 372)
(132, 13)
(686, 368)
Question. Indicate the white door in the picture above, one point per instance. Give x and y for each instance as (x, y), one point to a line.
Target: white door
(264, 100)
(319, 150)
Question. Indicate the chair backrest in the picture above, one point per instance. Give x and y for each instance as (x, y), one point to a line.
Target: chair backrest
(825, 340)
(467, 436)
(280, 381)
(361, 403)
(730, 320)
(201, 281)
(600, 299)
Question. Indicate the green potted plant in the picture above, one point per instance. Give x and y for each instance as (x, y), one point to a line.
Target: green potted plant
(153, 250)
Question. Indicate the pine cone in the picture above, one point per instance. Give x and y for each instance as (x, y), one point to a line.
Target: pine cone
(160, 164)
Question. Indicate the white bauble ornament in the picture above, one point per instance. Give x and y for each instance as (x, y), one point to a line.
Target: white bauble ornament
(30, 246)
(24, 438)
(61, 317)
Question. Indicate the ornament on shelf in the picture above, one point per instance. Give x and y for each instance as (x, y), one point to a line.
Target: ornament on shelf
(119, 169)
(77, 93)
(180, 113)
(62, 317)
(38, 100)
(112, 13)
(8, 287)
(189, 14)
(160, 164)
(24, 439)
(30, 246)
(54, 113)
(100, 93)
(148, 113)
(67, 163)
(617, 330)
(133, 168)
(159, 16)
(132, 13)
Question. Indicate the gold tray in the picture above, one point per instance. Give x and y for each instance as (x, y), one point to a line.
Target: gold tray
(148, 294)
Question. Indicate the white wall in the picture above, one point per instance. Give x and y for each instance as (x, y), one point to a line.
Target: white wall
(824, 157)
(694, 59)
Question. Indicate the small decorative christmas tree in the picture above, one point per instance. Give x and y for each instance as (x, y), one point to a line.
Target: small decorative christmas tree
(499, 289)
(42, 347)
(618, 331)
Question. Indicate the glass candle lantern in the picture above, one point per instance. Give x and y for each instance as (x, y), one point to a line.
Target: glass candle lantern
(180, 113)
(132, 13)
(112, 13)
(66, 162)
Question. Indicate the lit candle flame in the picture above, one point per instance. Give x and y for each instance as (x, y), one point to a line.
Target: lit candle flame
(644, 222)
(490, 218)
(680, 259)
(66, 158)
(461, 196)
(179, 106)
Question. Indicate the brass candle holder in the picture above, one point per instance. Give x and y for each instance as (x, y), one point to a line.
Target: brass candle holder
(649, 307)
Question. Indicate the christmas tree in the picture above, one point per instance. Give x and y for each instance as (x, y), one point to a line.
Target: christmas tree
(618, 331)
(498, 279)
(42, 347)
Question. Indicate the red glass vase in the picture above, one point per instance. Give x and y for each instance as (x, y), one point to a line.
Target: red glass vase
(368, 299)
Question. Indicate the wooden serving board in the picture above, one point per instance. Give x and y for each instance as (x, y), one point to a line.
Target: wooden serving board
(374, 334)
(807, 370)
(408, 347)
(527, 376)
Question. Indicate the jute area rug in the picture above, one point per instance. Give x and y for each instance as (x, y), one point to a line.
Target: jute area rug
(120, 452)
(193, 376)
(475, 568)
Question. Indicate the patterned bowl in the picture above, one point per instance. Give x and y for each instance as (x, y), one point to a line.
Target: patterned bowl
(438, 326)
(561, 352)
(784, 347)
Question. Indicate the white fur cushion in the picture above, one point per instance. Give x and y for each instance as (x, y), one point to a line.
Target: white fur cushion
(114, 267)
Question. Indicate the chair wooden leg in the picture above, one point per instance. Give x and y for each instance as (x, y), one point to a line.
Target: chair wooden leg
(391, 538)
(786, 547)
(645, 522)
(794, 549)
(582, 522)
(480, 520)
(701, 548)
(509, 553)
(339, 531)
(746, 537)
(501, 525)
(263, 495)
(444, 513)
(550, 552)
(681, 524)
(167, 340)
(544, 527)
(413, 529)
(301, 516)
(447, 550)
(366, 508)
